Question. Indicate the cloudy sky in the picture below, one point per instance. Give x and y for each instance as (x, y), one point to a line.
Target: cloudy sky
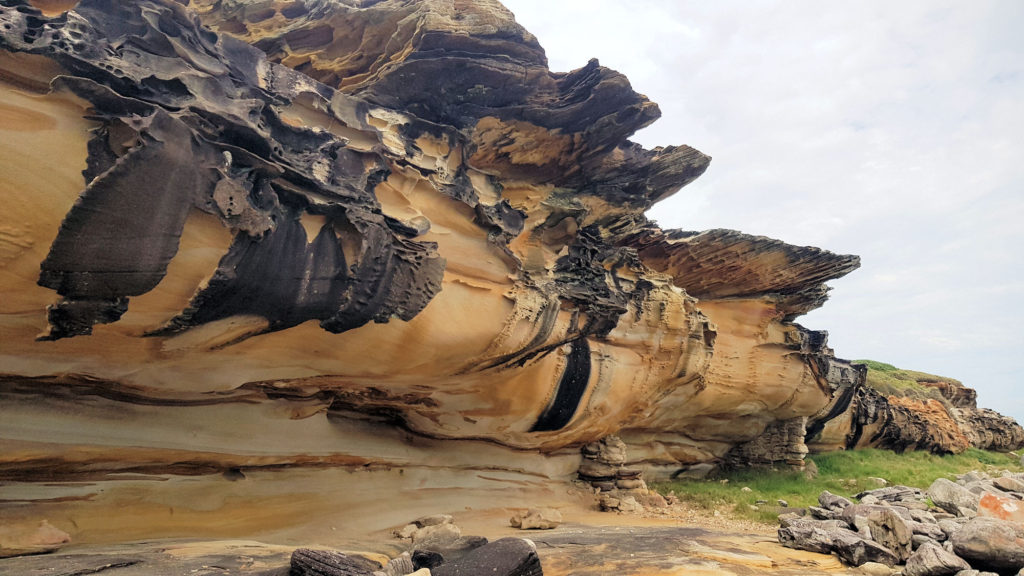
(891, 130)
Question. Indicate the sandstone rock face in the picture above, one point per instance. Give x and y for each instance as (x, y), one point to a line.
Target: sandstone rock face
(861, 417)
(324, 237)
(990, 430)
(947, 422)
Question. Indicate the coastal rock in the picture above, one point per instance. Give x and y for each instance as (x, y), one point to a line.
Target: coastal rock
(862, 417)
(504, 557)
(807, 536)
(1002, 507)
(285, 242)
(932, 560)
(991, 543)
(310, 562)
(927, 413)
(1008, 484)
(832, 501)
(889, 530)
(537, 519)
(854, 550)
(399, 566)
(952, 497)
(989, 430)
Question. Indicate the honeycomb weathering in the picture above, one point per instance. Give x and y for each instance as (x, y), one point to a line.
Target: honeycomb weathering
(287, 239)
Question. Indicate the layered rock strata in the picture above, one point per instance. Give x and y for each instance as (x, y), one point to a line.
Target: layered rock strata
(860, 416)
(251, 248)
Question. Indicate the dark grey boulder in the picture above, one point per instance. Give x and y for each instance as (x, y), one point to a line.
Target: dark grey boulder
(505, 557)
(806, 536)
(855, 551)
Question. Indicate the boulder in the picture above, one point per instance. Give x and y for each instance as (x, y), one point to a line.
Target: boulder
(426, 559)
(874, 569)
(806, 536)
(952, 497)
(435, 535)
(1001, 506)
(889, 529)
(609, 450)
(1008, 484)
(863, 510)
(592, 469)
(854, 550)
(399, 566)
(823, 513)
(619, 503)
(504, 557)
(832, 501)
(991, 543)
(309, 562)
(919, 540)
(454, 549)
(892, 493)
(537, 519)
(933, 531)
(932, 560)
(949, 526)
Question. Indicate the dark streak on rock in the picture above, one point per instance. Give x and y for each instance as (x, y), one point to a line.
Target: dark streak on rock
(571, 388)
(189, 120)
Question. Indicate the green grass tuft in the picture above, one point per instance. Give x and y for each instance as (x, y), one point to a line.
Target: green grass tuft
(893, 381)
(843, 473)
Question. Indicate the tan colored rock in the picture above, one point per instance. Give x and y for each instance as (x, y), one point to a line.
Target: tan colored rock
(239, 280)
(20, 538)
(536, 519)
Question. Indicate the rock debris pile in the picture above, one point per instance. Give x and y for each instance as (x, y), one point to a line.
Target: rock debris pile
(970, 527)
(438, 548)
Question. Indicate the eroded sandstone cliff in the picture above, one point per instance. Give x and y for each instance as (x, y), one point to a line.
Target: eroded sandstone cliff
(264, 259)
(906, 410)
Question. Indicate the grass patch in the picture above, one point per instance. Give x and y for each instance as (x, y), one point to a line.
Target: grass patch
(844, 473)
(893, 381)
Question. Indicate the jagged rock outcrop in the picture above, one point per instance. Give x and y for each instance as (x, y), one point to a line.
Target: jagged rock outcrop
(988, 429)
(250, 246)
(946, 421)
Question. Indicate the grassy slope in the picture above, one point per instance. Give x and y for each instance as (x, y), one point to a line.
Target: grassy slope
(893, 381)
(843, 473)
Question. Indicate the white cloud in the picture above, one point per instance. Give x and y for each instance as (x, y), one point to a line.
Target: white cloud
(886, 129)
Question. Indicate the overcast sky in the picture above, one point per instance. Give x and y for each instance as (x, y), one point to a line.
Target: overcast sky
(891, 130)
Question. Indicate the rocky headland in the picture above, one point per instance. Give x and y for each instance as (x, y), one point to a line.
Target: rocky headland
(269, 262)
